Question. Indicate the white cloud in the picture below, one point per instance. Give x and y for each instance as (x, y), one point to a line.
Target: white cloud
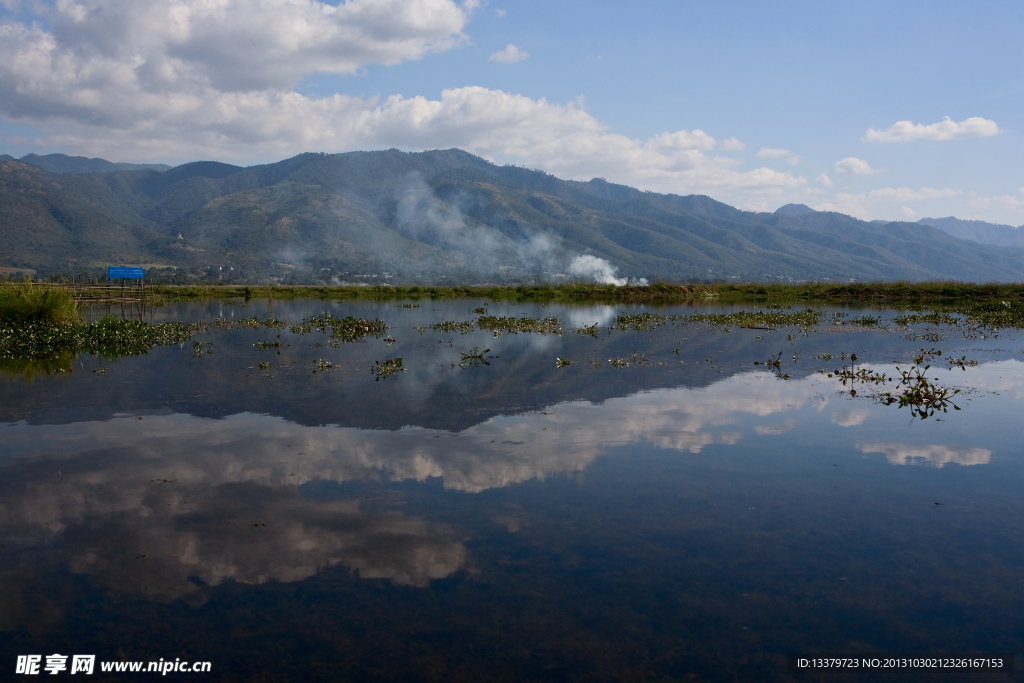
(681, 140)
(112, 62)
(1005, 201)
(936, 456)
(849, 418)
(769, 153)
(905, 194)
(190, 79)
(733, 145)
(946, 129)
(908, 212)
(501, 13)
(825, 180)
(855, 166)
(510, 55)
(860, 205)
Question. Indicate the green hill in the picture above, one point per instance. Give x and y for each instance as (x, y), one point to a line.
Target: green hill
(444, 216)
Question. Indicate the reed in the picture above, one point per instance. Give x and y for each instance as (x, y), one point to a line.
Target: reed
(26, 303)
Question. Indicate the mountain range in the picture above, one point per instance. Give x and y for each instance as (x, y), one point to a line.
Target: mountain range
(446, 216)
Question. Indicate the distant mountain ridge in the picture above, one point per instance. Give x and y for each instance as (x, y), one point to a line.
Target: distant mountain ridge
(62, 163)
(978, 231)
(444, 216)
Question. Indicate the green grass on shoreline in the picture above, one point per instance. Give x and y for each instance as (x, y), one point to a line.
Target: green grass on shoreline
(904, 293)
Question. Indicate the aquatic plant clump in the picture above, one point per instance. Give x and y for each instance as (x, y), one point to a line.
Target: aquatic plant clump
(474, 357)
(464, 327)
(933, 318)
(109, 337)
(997, 314)
(389, 367)
(921, 395)
(550, 325)
(760, 319)
(642, 322)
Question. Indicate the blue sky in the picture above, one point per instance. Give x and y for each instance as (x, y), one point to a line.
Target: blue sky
(754, 104)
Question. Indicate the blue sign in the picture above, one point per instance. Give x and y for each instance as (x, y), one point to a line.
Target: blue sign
(115, 271)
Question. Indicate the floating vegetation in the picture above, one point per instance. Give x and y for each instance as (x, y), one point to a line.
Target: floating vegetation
(409, 306)
(323, 365)
(474, 357)
(642, 322)
(510, 325)
(997, 314)
(932, 337)
(480, 311)
(926, 354)
(760, 319)
(587, 329)
(268, 321)
(387, 368)
(350, 329)
(934, 318)
(961, 363)
(921, 395)
(452, 326)
(773, 362)
(562, 362)
(199, 348)
(618, 363)
(267, 344)
(864, 321)
(264, 366)
(35, 346)
(860, 376)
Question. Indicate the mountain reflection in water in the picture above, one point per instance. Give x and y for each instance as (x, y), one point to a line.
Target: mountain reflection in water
(685, 512)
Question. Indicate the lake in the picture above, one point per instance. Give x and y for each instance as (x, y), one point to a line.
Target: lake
(624, 493)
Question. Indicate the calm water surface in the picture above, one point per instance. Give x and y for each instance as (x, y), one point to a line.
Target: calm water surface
(661, 509)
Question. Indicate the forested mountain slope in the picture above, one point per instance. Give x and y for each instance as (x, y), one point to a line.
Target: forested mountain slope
(444, 216)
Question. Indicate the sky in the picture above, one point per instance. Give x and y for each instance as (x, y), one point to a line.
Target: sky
(881, 110)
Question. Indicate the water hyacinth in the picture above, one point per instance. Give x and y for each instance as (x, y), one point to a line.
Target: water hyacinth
(108, 337)
(774, 318)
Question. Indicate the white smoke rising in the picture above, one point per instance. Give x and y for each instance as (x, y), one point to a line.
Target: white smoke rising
(483, 249)
(602, 272)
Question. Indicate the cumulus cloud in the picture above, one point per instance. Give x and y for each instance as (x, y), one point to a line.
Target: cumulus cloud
(775, 153)
(155, 48)
(733, 145)
(849, 418)
(855, 166)
(510, 55)
(908, 212)
(946, 129)
(1004, 201)
(905, 194)
(216, 79)
(825, 180)
(936, 456)
(860, 205)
